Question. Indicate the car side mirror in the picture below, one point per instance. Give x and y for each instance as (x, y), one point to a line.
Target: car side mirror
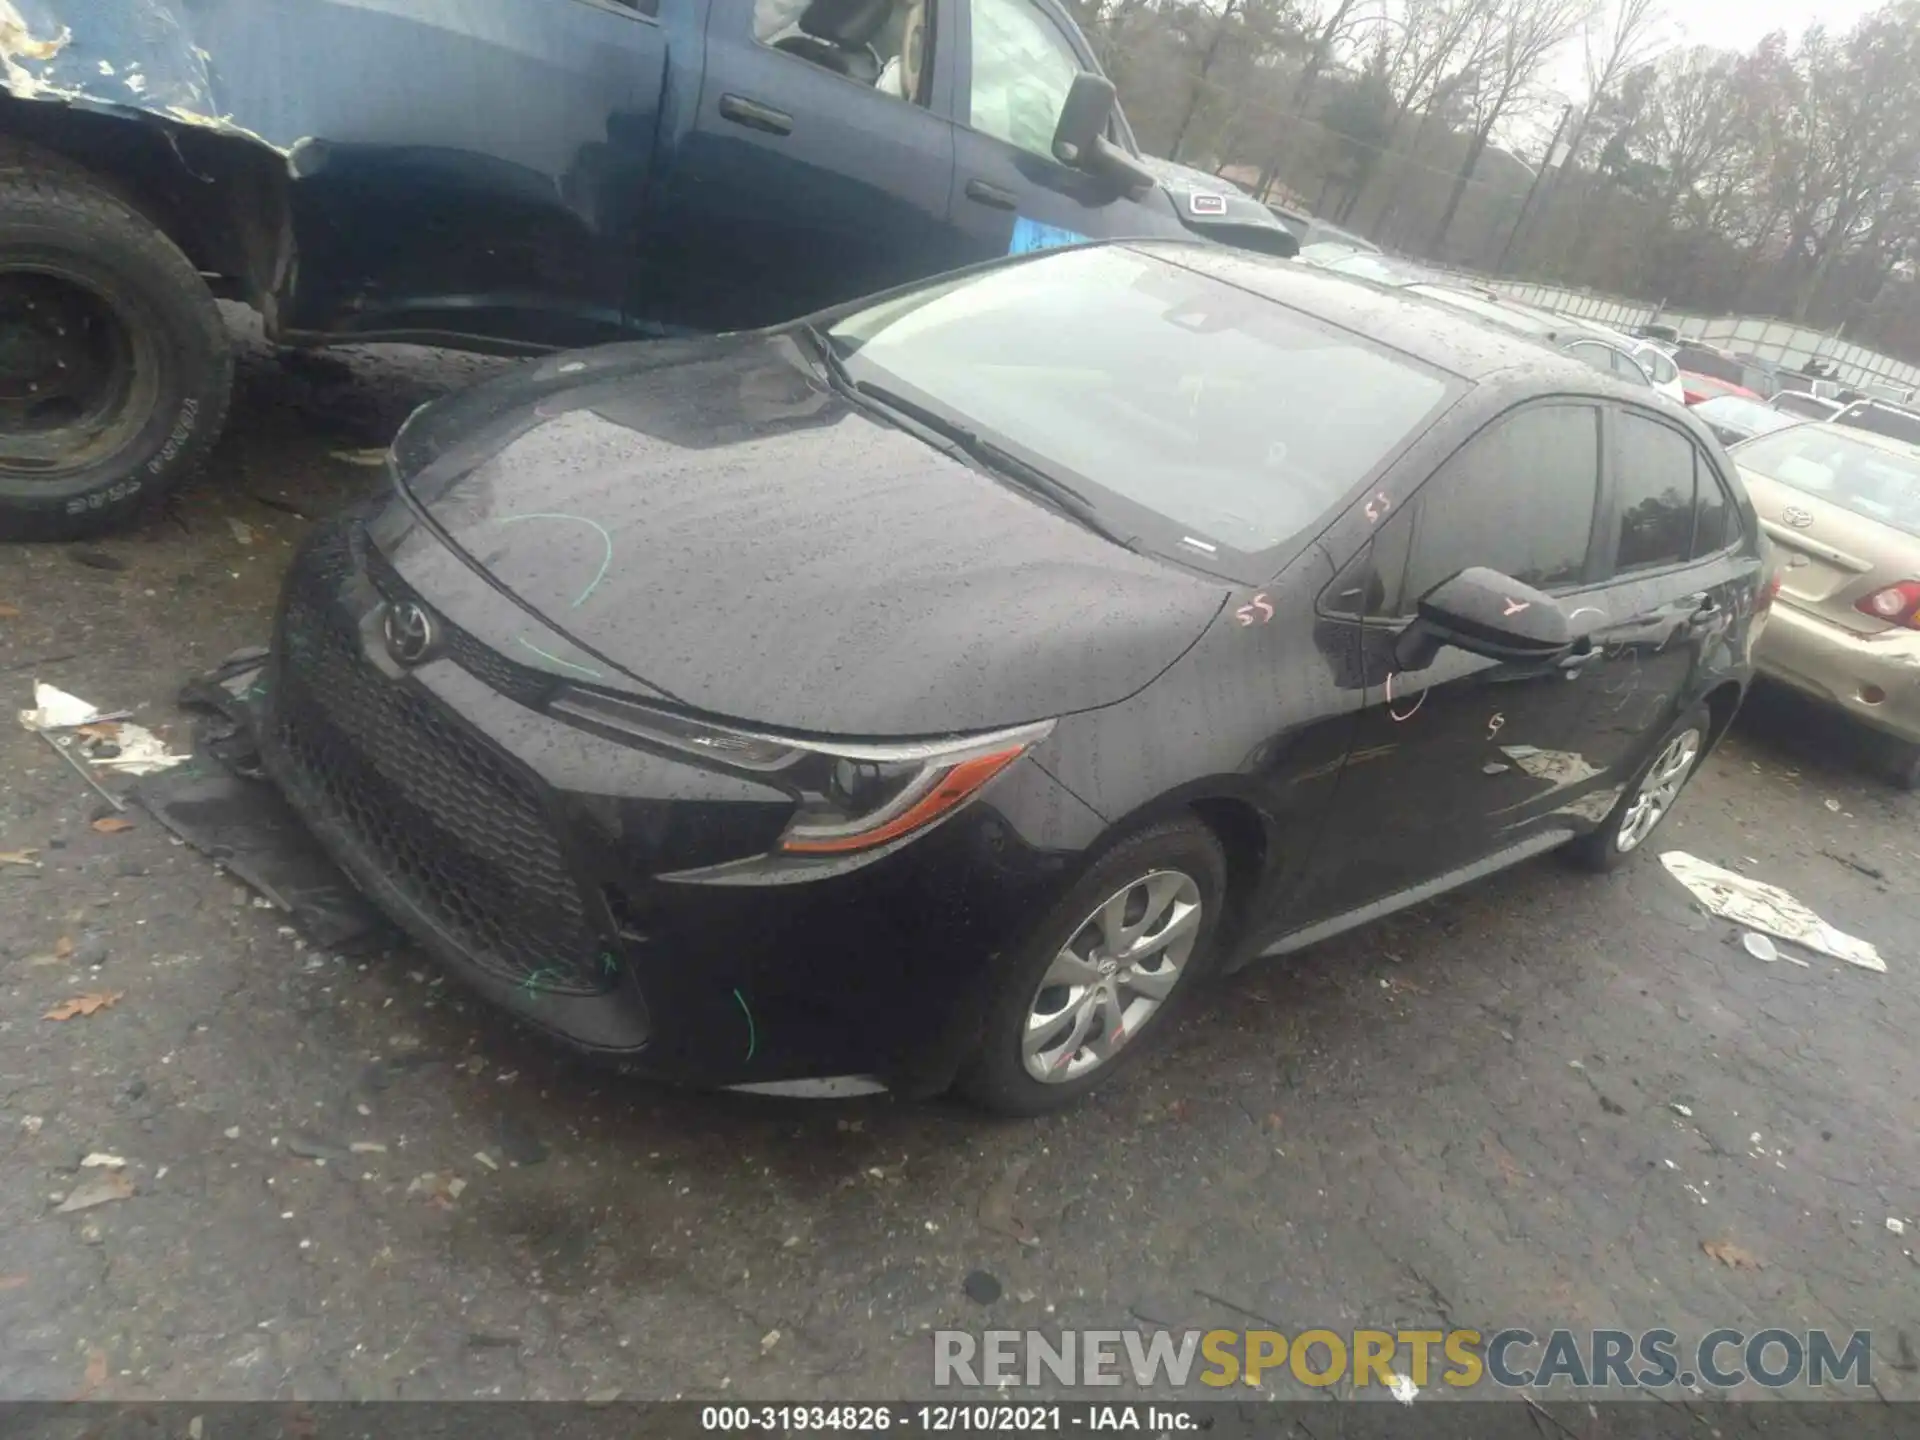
(1080, 137)
(1485, 613)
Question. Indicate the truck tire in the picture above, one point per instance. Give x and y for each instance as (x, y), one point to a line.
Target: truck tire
(115, 368)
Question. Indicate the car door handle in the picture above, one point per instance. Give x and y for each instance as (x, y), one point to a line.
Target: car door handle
(988, 193)
(754, 115)
(1583, 653)
(1707, 612)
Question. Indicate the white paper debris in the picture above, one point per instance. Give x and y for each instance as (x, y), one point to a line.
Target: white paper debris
(1680, 1109)
(1896, 1227)
(1767, 907)
(55, 709)
(141, 752)
(1402, 1387)
(99, 1161)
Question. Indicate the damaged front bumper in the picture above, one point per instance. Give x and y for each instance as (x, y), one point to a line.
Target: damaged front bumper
(526, 855)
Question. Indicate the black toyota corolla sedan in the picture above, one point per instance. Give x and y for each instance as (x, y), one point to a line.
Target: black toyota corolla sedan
(938, 689)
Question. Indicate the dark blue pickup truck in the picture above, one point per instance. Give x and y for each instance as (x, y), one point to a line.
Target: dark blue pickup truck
(510, 175)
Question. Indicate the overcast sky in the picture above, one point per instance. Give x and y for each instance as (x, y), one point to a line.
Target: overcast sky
(1737, 24)
(1724, 24)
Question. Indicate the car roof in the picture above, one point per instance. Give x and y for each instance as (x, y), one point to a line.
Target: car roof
(1875, 402)
(1430, 331)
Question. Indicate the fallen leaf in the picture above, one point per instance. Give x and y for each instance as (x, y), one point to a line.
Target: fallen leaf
(96, 1375)
(19, 857)
(83, 1004)
(109, 1186)
(12, 1282)
(100, 730)
(9, 612)
(112, 824)
(1730, 1255)
(360, 457)
(63, 947)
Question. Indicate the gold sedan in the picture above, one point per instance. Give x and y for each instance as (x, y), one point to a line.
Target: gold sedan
(1841, 507)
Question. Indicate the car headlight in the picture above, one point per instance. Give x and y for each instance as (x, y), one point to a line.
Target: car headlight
(850, 796)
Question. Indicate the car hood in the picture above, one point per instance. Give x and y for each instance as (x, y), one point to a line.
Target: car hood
(1222, 211)
(712, 519)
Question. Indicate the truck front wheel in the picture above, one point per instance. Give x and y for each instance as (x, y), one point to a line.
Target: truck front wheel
(115, 369)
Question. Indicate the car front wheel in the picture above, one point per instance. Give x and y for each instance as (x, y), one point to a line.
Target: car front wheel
(1102, 973)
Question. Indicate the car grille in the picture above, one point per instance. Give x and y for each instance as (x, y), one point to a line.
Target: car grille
(426, 802)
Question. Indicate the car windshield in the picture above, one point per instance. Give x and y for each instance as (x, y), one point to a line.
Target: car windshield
(1857, 475)
(1235, 419)
(1884, 420)
(1739, 413)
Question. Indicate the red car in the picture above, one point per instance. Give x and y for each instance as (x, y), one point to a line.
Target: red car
(1705, 373)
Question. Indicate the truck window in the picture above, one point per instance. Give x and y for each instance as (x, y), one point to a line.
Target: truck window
(1022, 70)
(877, 43)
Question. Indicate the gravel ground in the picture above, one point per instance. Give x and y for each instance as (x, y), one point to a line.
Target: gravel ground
(1531, 1103)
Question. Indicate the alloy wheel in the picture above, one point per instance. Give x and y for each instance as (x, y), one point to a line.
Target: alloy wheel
(1659, 789)
(1115, 971)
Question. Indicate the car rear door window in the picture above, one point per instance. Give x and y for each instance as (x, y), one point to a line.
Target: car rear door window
(1653, 469)
(1518, 498)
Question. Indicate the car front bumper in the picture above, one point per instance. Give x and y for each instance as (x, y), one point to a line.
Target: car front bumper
(1875, 678)
(527, 855)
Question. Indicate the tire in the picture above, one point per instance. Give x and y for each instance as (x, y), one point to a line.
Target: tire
(1603, 849)
(1903, 765)
(1169, 865)
(91, 289)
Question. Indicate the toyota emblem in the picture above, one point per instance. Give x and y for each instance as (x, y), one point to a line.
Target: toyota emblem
(410, 633)
(1796, 517)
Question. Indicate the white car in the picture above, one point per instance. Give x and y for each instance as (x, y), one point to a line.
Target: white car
(1658, 364)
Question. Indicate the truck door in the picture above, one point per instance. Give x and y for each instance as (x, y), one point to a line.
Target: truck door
(1010, 195)
(817, 167)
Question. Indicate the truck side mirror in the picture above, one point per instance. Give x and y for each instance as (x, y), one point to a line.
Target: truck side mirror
(1080, 137)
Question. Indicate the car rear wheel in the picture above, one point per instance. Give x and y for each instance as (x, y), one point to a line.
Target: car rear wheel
(115, 368)
(1648, 801)
(1102, 973)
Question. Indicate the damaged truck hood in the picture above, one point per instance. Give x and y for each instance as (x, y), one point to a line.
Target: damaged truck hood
(714, 520)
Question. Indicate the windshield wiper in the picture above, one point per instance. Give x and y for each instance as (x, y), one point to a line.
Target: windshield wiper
(829, 356)
(1056, 492)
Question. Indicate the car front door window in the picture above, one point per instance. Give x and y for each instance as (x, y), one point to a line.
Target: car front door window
(1023, 68)
(1518, 498)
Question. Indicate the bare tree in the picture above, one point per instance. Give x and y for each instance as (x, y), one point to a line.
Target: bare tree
(1426, 50)
(1521, 36)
